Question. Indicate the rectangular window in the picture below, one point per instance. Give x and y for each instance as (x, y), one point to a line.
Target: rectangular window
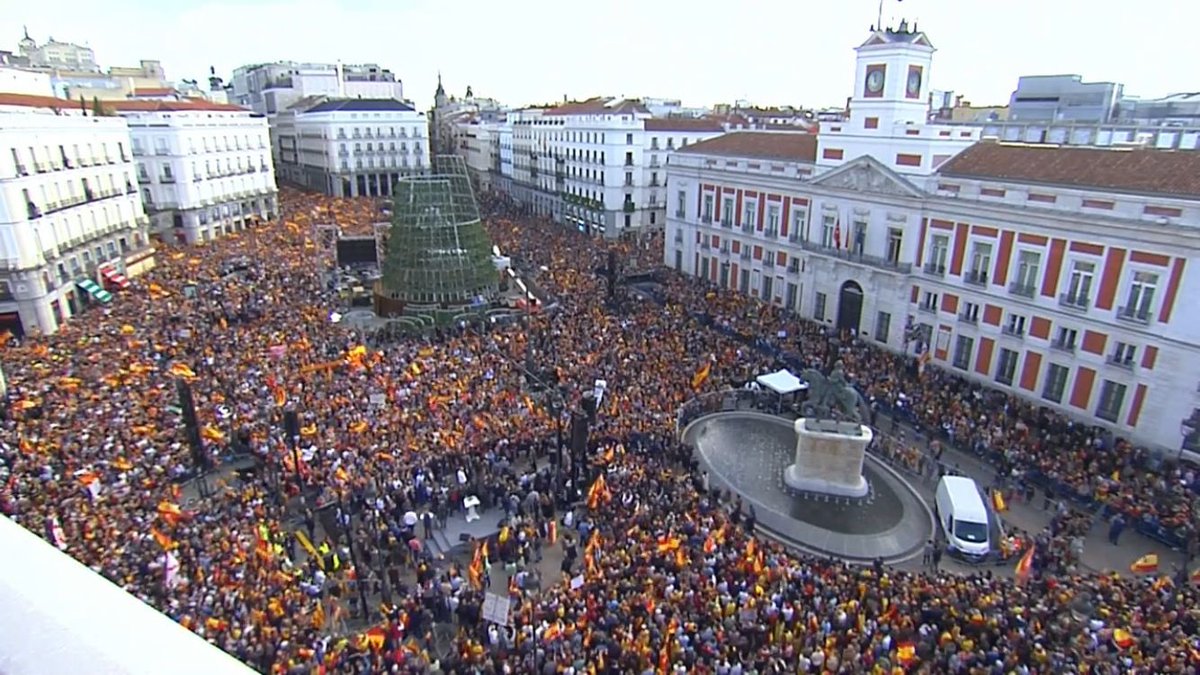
(744, 281)
(819, 307)
(727, 212)
(1056, 383)
(708, 208)
(981, 262)
(1015, 325)
(883, 326)
(792, 292)
(1079, 288)
(772, 220)
(828, 224)
(1140, 301)
(1112, 396)
(964, 347)
(1029, 267)
(799, 223)
(1123, 355)
(749, 210)
(767, 289)
(629, 141)
(678, 260)
(969, 312)
(1006, 367)
(939, 248)
(930, 302)
(1066, 339)
(681, 204)
(895, 243)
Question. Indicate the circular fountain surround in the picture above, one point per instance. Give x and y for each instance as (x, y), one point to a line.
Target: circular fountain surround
(748, 453)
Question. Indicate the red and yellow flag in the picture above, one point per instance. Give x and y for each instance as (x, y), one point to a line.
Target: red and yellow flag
(701, 375)
(1025, 564)
(1147, 564)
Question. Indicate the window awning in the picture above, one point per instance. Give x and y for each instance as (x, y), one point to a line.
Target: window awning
(93, 289)
(113, 276)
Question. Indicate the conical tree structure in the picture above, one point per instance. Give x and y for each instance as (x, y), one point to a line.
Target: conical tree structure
(438, 252)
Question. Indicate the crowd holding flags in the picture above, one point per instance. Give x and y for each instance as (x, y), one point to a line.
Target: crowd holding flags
(701, 375)
(598, 493)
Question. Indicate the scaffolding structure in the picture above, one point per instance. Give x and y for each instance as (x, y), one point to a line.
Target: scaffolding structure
(437, 251)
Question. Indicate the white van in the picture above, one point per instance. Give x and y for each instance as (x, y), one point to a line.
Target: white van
(962, 515)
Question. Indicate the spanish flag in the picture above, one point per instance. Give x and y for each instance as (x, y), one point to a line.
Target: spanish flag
(1122, 638)
(163, 540)
(906, 653)
(170, 512)
(182, 370)
(211, 433)
(701, 375)
(1025, 564)
(598, 492)
(1147, 564)
(1195, 576)
(998, 502)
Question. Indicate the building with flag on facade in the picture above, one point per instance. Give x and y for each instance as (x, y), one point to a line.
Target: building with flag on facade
(1052, 272)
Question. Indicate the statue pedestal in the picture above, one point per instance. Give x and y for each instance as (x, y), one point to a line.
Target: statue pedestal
(829, 458)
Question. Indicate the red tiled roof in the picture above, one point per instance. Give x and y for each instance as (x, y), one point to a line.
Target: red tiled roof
(789, 146)
(171, 106)
(32, 101)
(598, 105)
(684, 124)
(1139, 170)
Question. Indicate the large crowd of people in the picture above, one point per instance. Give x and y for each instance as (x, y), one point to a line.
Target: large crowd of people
(659, 574)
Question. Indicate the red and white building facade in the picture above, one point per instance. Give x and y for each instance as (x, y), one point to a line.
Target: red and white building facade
(1057, 273)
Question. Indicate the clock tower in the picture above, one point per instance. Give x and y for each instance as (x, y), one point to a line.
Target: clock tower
(891, 80)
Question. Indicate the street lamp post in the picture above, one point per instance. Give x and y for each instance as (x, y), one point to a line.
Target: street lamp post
(359, 576)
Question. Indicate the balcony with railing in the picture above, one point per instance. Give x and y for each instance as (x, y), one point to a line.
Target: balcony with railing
(745, 254)
(33, 210)
(1063, 346)
(971, 318)
(679, 213)
(628, 207)
(1074, 301)
(1022, 289)
(1124, 361)
(1013, 331)
(976, 278)
(934, 269)
(857, 258)
(1136, 315)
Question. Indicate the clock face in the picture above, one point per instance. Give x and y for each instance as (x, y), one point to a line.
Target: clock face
(875, 81)
(914, 83)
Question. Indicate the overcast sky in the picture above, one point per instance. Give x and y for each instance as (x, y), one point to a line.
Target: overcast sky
(796, 52)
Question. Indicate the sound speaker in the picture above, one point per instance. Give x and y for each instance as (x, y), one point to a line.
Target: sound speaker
(291, 424)
(579, 434)
(589, 405)
(191, 427)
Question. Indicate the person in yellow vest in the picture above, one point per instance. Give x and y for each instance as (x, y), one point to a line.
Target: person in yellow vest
(329, 557)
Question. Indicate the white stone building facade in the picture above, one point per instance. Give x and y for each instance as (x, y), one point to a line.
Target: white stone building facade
(1059, 274)
(72, 227)
(597, 165)
(204, 169)
(351, 147)
(271, 88)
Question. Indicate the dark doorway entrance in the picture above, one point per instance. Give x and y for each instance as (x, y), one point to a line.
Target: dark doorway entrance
(850, 303)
